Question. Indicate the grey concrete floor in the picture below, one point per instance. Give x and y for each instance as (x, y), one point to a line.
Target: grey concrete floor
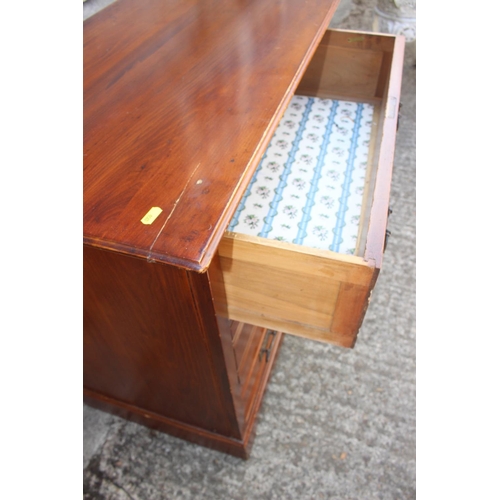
(335, 423)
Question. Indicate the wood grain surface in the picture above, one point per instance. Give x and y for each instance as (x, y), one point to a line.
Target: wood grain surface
(384, 155)
(180, 100)
(151, 340)
(317, 294)
(155, 352)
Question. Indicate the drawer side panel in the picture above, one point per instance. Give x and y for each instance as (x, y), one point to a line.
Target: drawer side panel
(150, 341)
(284, 287)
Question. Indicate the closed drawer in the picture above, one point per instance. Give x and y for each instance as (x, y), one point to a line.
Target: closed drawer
(255, 349)
(247, 340)
(279, 274)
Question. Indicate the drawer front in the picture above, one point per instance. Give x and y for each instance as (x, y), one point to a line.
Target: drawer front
(320, 294)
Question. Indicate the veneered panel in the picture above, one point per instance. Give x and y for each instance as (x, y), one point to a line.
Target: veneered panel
(149, 343)
(180, 99)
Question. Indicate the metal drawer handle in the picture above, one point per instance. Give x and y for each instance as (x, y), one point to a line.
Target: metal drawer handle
(387, 232)
(267, 350)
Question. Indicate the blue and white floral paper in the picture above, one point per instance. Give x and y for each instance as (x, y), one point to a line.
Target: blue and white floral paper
(308, 187)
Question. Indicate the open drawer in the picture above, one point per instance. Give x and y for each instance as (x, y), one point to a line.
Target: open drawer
(288, 280)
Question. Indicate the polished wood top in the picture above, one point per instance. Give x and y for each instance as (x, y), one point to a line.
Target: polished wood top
(180, 100)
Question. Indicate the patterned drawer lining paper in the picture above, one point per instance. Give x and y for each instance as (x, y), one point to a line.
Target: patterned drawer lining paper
(308, 187)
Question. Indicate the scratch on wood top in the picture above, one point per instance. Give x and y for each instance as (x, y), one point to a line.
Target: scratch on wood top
(149, 259)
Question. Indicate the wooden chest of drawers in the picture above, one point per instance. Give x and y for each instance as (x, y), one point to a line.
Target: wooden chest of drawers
(183, 319)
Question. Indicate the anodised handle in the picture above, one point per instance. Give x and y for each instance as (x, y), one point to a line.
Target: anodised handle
(267, 350)
(387, 232)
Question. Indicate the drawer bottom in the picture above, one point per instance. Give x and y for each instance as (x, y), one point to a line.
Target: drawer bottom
(309, 186)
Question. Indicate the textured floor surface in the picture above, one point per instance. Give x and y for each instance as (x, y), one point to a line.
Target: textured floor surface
(334, 424)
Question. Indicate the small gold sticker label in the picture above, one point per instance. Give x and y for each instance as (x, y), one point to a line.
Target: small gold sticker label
(150, 217)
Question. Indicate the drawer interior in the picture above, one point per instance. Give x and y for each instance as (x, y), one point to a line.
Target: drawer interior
(314, 185)
(280, 265)
(310, 184)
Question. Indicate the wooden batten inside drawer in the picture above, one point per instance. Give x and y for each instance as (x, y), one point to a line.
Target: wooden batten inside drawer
(299, 273)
